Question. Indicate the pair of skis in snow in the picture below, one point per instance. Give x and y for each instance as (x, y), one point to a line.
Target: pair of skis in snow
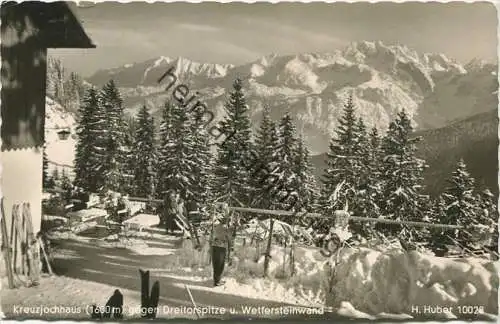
(149, 301)
(22, 237)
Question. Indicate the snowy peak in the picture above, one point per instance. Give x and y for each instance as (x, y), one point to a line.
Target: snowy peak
(187, 67)
(478, 65)
(147, 73)
(433, 88)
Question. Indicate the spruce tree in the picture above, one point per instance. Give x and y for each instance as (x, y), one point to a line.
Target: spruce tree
(374, 174)
(283, 191)
(144, 154)
(342, 160)
(73, 88)
(439, 239)
(231, 174)
(66, 185)
(460, 205)
(362, 153)
(116, 152)
(166, 142)
(202, 158)
(305, 182)
(488, 213)
(129, 184)
(179, 154)
(363, 200)
(402, 177)
(55, 175)
(90, 131)
(264, 161)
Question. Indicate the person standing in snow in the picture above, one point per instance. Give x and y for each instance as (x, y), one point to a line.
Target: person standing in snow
(170, 210)
(219, 242)
(123, 209)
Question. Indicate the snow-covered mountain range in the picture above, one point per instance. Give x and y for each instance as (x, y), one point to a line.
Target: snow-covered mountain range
(383, 79)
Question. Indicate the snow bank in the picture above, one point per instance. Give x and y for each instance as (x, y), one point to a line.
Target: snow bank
(147, 250)
(382, 282)
(85, 215)
(397, 282)
(54, 218)
(140, 221)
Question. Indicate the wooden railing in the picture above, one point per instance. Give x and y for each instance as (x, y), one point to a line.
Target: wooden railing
(354, 218)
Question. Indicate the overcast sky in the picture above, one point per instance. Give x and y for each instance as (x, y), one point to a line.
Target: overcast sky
(238, 33)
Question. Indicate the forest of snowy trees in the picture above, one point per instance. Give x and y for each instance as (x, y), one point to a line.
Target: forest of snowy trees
(381, 174)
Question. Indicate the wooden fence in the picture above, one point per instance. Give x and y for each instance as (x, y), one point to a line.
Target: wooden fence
(284, 213)
(321, 216)
(354, 218)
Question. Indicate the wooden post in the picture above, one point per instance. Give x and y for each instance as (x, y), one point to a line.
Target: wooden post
(284, 258)
(6, 247)
(292, 257)
(268, 248)
(292, 245)
(257, 251)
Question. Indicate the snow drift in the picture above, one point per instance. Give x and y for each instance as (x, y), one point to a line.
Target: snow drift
(385, 281)
(396, 281)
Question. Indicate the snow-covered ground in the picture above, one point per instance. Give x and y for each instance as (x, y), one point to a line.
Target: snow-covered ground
(86, 215)
(377, 282)
(142, 221)
(416, 284)
(72, 298)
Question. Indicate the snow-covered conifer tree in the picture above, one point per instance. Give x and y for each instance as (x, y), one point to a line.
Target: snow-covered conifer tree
(144, 153)
(461, 205)
(231, 174)
(90, 145)
(402, 177)
(115, 154)
(264, 161)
